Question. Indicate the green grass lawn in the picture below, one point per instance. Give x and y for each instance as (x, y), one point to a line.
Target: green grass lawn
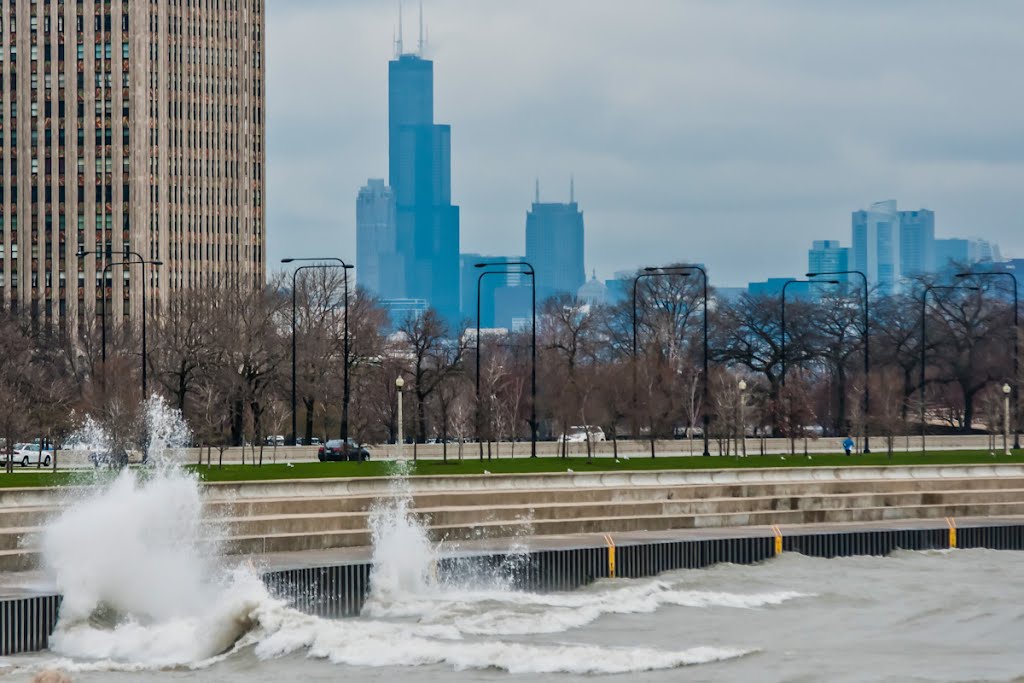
(523, 465)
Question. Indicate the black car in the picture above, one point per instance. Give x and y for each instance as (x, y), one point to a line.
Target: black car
(336, 449)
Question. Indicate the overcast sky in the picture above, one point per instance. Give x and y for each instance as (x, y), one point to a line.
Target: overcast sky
(726, 132)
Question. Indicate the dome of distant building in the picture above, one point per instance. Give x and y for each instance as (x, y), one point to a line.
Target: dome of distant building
(593, 292)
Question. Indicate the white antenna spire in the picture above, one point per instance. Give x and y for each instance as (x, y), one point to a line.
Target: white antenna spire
(420, 46)
(398, 45)
(536, 199)
(572, 189)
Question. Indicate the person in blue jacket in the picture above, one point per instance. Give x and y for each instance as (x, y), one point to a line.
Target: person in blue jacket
(848, 445)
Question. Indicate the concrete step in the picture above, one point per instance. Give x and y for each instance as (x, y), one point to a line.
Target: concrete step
(528, 497)
(475, 516)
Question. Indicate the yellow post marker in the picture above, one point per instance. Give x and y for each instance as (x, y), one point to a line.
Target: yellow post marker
(952, 532)
(611, 556)
(778, 539)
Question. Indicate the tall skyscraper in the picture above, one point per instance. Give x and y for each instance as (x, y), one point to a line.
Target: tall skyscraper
(380, 268)
(917, 242)
(554, 246)
(876, 245)
(132, 126)
(419, 174)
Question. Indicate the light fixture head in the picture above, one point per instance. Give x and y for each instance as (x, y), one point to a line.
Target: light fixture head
(287, 260)
(743, 385)
(1007, 389)
(399, 382)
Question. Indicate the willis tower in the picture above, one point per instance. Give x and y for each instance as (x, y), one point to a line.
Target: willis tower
(419, 173)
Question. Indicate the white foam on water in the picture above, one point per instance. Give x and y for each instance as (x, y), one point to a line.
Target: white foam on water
(377, 644)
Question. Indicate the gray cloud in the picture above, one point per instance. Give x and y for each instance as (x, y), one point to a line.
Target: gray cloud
(729, 132)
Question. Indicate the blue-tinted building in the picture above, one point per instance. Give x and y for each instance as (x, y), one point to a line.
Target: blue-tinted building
(827, 256)
(419, 173)
(554, 246)
(876, 246)
(380, 268)
(917, 243)
(773, 287)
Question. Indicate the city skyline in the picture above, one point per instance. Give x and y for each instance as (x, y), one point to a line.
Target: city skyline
(750, 143)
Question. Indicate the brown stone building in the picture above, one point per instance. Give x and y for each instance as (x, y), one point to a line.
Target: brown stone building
(133, 124)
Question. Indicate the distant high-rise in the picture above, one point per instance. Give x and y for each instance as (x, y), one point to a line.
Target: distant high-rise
(419, 173)
(917, 242)
(827, 256)
(876, 245)
(129, 126)
(554, 246)
(958, 253)
(380, 268)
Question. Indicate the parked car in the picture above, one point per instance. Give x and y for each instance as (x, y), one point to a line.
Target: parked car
(26, 454)
(314, 441)
(336, 449)
(109, 459)
(274, 440)
(579, 434)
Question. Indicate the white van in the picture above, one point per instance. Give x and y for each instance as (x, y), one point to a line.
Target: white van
(579, 434)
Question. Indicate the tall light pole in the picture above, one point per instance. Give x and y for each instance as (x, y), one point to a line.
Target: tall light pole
(345, 353)
(533, 343)
(653, 272)
(687, 268)
(742, 386)
(399, 385)
(784, 288)
(103, 302)
(1016, 344)
(1006, 418)
(924, 341)
(867, 349)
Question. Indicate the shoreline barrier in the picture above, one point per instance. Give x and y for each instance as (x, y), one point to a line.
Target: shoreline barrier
(339, 589)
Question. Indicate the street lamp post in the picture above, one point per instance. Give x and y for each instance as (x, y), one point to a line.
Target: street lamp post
(345, 352)
(924, 340)
(652, 272)
(784, 288)
(399, 385)
(686, 268)
(1016, 345)
(742, 386)
(867, 349)
(533, 345)
(1006, 418)
(103, 302)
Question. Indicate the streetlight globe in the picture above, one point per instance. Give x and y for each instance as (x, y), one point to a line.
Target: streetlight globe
(742, 385)
(1007, 389)
(399, 382)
